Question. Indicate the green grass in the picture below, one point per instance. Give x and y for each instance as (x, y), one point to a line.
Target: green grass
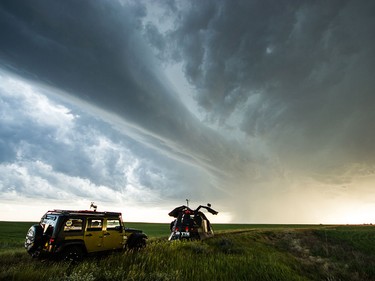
(237, 252)
(12, 234)
(153, 230)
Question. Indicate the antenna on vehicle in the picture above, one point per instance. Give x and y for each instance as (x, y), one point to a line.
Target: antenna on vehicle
(187, 202)
(93, 206)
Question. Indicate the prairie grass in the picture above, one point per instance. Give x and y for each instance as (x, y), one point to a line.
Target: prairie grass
(12, 234)
(245, 253)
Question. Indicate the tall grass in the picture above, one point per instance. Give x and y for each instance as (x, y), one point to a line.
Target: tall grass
(273, 253)
(220, 259)
(332, 253)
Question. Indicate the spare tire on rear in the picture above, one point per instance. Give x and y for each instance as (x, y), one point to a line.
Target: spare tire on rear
(34, 239)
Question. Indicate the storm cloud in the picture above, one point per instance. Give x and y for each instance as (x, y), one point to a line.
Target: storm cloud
(297, 74)
(275, 109)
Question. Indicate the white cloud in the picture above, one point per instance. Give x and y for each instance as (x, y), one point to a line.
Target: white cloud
(58, 157)
(26, 105)
(73, 159)
(35, 105)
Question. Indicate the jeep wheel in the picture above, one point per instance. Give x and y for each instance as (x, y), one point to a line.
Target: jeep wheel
(72, 254)
(136, 243)
(33, 239)
(141, 243)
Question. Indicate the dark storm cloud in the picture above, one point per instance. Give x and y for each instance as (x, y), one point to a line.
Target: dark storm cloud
(299, 74)
(93, 50)
(284, 89)
(90, 49)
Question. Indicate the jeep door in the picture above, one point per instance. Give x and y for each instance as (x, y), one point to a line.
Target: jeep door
(94, 235)
(114, 235)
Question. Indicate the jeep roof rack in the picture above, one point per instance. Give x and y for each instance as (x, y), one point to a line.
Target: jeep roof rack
(86, 212)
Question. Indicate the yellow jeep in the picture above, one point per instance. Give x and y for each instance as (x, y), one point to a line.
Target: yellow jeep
(70, 235)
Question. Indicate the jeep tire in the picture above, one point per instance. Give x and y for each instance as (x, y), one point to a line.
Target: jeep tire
(136, 242)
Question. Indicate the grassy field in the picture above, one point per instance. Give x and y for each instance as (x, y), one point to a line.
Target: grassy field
(237, 252)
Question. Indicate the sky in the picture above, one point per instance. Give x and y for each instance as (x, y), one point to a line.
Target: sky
(265, 109)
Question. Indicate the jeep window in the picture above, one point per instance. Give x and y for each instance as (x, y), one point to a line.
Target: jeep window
(94, 224)
(113, 224)
(49, 220)
(73, 225)
(48, 223)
